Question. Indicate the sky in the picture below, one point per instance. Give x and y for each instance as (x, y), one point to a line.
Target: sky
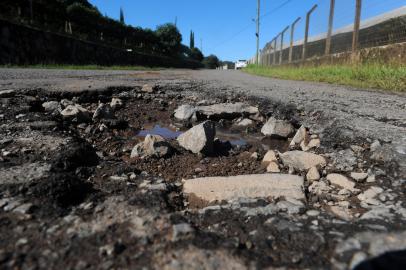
(227, 28)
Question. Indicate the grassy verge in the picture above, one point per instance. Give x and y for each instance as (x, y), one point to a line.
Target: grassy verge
(363, 76)
(87, 67)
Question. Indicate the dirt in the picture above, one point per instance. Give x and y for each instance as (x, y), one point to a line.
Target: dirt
(87, 205)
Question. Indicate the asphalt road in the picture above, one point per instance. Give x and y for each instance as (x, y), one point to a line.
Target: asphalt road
(371, 114)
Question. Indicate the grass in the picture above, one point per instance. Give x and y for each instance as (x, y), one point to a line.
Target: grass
(85, 67)
(370, 76)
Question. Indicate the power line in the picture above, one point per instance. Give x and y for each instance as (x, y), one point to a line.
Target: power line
(248, 26)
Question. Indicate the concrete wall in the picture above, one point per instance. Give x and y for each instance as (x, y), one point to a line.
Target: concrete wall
(22, 45)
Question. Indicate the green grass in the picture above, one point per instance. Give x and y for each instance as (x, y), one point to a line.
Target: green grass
(390, 78)
(85, 67)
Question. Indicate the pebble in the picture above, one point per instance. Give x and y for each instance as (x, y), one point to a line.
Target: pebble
(313, 213)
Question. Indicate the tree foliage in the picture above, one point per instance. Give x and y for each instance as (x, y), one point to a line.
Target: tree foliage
(211, 62)
(192, 40)
(122, 16)
(170, 38)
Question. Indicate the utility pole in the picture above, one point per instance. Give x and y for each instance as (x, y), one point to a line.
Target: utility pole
(292, 34)
(257, 34)
(201, 45)
(357, 23)
(330, 27)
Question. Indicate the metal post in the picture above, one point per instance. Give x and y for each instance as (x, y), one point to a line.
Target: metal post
(330, 27)
(257, 34)
(292, 33)
(281, 52)
(274, 50)
(357, 23)
(307, 31)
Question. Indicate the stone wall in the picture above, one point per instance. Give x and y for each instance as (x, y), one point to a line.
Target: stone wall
(22, 45)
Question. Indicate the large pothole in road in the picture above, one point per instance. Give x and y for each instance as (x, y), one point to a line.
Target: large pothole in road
(228, 177)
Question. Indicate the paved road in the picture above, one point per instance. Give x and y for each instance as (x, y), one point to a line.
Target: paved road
(372, 114)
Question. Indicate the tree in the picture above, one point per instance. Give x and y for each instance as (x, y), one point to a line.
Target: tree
(211, 62)
(122, 16)
(170, 38)
(192, 40)
(196, 54)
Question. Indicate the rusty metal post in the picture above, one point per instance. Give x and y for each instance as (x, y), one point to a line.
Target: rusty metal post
(274, 50)
(292, 33)
(281, 51)
(330, 27)
(307, 31)
(357, 23)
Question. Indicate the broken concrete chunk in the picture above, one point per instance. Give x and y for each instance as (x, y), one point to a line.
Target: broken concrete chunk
(51, 106)
(300, 136)
(199, 139)
(341, 181)
(103, 111)
(185, 112)
(301, 161)
(147, 88)
(76, 111)
(227, 110)
(359, 176)
(203, 191)
(244, 122)
(152, 146)
(269, 157)
(313, 143)
(273, 167)
(116, 103)
(369, 194)
(279, 128)
(313, 175)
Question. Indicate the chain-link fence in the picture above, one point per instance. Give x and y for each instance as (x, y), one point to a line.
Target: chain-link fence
(342, 29)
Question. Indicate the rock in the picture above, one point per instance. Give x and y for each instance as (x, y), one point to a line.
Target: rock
(203, 191)
(185, 112)
(384, 153)
(313, 143)
(7, 93)
(51, 106)
(227, 110)
(319, 188)
(273, 167)
(380, 212)
(341, 212)
(116, 103)
(147, 88)
(181, 231)
(300, 136)
(153, 146)
(313, 213)
(375, 145)
(279, 128)
(65, 103)
(255, 155)
(290, 207)
(344, 160)
(76, 112)
(302, 161)
(369, 194)
(199, 139)
(359, 176)
(313, 175)
(24, 208)
(25, 173)
(341, 181)
(245, 123)
(103, 111)
(270, 156)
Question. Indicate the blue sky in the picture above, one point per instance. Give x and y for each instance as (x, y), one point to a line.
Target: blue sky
(226, 27)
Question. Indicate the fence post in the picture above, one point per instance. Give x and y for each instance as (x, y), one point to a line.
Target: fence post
(281, 52)
(330, 27)
(292, 33)
(307, 31)
(357, 22)
(274, 50)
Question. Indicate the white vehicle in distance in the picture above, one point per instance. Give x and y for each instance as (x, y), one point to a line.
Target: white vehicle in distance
(240, 64)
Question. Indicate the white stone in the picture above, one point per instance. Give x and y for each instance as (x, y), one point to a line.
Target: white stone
(116, 103)
(269, 157)
(245, 122)
(50, 106)
(273, 167)
(301, 161)
(153, 145)
(359, 176)
(203, 191)
(280, 128)
(301, 135)
(148, 88)
(199, 139)
(370, 194)
(313, 175)
(185, 112)
(76, 111)
(341, 181)
(313, 143)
